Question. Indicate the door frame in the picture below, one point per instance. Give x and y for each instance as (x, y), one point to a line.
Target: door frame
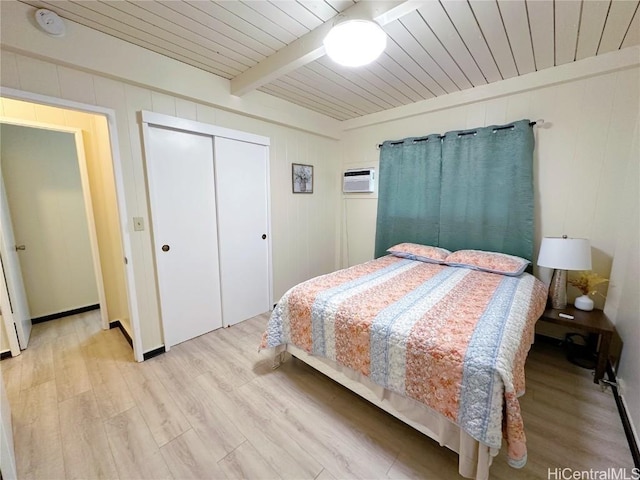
(125, 238)
(88, 202)
(148, 119)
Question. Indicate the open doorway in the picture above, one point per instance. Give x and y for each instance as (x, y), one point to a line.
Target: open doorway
(108, 266)
(51, 215)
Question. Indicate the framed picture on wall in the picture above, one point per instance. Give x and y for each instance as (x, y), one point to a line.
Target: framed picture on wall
(302, 178)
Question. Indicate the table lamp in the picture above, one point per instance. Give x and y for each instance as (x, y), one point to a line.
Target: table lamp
(562, 254)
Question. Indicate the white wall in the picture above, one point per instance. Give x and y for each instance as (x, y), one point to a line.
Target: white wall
(42, 179)
(623, 300)
(304, 227)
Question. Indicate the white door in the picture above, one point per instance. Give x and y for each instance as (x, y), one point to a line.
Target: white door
(13, 274)
(183, 207)
(242, 192)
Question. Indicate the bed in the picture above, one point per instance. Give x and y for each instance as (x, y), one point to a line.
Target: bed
(439, 340)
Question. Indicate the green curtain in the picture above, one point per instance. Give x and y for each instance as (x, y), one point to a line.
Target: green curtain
(408, 192)
(486, 198)
(467, 189)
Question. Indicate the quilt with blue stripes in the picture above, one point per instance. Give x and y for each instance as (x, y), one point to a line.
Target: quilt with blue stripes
(453, 338)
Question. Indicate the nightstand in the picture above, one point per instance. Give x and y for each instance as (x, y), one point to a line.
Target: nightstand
(594, 321)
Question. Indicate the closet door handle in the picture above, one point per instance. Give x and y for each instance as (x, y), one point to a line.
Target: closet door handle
(264, 236)
(20, 247)
(165, 248)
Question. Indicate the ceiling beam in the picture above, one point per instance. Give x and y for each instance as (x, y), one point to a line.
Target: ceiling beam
(309, 47)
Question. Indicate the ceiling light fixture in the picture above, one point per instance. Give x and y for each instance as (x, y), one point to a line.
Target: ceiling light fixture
(354, 43)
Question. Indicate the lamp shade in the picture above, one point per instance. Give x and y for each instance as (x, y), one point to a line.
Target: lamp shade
(355, 42)
(564, 253)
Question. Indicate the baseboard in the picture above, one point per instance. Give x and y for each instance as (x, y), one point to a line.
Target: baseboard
(633, 431)
(624, 417)
(5, 354)
(55, 316)
(153, 353)
(118, 324)
(147, 355)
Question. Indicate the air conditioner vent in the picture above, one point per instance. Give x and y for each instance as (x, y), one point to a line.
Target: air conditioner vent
(358, 180)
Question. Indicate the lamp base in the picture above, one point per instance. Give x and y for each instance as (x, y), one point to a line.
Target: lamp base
(584, 303)
(558, 290)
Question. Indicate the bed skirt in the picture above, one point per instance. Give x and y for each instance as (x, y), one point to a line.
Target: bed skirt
(474, 458)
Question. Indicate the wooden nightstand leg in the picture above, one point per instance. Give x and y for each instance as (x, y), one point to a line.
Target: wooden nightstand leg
(603, 356)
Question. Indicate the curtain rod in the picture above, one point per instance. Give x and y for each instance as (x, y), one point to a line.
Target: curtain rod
(531, 124)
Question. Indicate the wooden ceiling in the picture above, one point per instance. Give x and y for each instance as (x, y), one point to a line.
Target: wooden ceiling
(434, 47)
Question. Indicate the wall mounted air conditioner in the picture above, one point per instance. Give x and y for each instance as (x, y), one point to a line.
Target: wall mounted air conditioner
(359, 180)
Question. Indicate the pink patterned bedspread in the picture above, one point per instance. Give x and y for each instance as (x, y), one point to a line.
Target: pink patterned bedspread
(452, 338)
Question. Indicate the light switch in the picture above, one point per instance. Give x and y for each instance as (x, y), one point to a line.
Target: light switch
(138, 224)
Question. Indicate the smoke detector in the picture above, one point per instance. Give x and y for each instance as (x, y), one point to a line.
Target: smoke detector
(50, 22)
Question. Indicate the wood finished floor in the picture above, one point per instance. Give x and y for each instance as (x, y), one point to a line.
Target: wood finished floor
(213, 408)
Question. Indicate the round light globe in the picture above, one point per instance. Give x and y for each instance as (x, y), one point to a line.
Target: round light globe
(355, 42)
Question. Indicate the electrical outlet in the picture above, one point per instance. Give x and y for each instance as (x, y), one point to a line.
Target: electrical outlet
(138, 224)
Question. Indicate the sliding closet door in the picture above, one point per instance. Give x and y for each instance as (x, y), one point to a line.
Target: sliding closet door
(183, 207)
(242, 195)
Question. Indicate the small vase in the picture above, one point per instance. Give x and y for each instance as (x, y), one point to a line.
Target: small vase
(584, 303)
